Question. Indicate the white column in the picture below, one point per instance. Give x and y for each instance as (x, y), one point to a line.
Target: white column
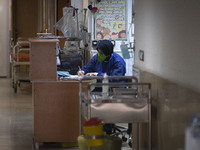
(4, 37)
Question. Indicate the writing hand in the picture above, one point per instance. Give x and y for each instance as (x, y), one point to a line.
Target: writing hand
(81, 73)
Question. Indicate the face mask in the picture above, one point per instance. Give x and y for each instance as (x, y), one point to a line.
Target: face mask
(101, 57)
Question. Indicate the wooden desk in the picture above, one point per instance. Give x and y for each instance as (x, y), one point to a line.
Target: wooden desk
(56, 111)
(56, 103)
(43, 59)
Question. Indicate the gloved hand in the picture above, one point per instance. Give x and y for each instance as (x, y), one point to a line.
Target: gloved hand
(92, 74)
(81, 73)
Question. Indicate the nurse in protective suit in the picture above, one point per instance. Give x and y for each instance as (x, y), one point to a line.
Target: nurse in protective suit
(105, 61)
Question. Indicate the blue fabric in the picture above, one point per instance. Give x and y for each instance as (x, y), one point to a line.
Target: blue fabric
(116, 66)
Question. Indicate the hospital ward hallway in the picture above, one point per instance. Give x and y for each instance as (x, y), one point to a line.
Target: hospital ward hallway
(16, 118)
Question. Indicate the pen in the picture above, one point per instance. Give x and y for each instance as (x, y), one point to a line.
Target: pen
(79, 67)
(81, 72)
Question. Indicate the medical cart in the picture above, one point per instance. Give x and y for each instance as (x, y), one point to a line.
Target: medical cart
(124, 100)
(20, 63)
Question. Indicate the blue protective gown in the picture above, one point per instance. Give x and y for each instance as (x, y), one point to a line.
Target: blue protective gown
(116, 66)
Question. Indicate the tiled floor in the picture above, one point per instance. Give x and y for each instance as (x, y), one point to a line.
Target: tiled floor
(171, 112)
(16, 118)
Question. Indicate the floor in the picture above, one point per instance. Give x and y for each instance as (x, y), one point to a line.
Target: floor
(16, 118)
(170, 101)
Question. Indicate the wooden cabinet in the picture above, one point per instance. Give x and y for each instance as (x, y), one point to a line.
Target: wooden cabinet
(56, 103)
(43, 59)
(56, 111)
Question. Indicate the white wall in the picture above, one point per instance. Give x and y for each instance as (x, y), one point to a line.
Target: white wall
(129, 62)
(169, 33)
(4, 38)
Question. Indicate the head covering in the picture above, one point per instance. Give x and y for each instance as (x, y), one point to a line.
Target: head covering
(105, 46)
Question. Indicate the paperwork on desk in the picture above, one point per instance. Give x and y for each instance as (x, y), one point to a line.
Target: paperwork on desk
(65, 75)
(72, 77)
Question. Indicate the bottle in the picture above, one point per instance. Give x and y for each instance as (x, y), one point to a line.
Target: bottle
(105, 88)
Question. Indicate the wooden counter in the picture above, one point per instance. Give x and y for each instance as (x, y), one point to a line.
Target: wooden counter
(43, 59)
(56, 103)
(56, 111)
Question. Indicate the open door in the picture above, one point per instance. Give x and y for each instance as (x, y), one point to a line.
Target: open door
(25, 19)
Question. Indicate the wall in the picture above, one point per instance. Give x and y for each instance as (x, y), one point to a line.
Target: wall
(172, 109)
(129, 62)
(4, 38)
(168, 32)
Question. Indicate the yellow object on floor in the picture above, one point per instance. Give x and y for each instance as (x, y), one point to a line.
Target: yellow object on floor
(109, 143)
(93, 131)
